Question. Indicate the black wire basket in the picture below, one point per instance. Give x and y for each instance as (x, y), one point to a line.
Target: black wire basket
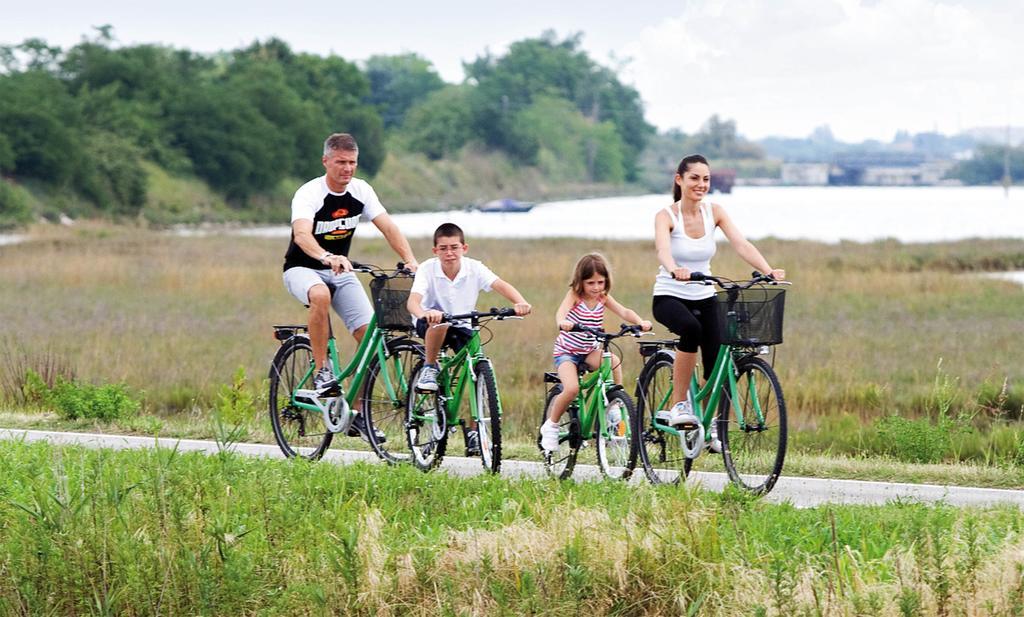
(390, 296)
(751, 317)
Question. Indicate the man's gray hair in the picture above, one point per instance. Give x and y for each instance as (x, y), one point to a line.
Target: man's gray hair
(340, 141)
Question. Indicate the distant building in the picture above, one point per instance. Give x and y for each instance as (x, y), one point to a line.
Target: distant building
(869, 169)
(890, 176)
(807, 174)
(934, 172)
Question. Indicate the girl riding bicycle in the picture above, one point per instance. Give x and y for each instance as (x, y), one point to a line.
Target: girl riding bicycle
(584, 305)
(684, 238)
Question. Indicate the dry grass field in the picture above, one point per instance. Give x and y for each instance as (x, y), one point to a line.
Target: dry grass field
(871, 329)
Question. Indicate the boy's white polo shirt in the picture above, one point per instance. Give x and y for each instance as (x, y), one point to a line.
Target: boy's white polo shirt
(452, 296)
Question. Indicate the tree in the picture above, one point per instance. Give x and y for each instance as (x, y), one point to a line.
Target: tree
(230, 143)
(718, 139)
(440, 125)
(40, 122)
(987, 165)
(568, 145)
(397, 83)
(549, 67)
(298, 125)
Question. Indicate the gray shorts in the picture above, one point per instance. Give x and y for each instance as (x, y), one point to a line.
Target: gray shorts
(349, 299)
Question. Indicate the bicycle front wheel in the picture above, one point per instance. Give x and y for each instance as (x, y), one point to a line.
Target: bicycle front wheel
(298, 431)
(384, 395)
(488, 425)
(661, 452)
(426, 426)
(616, 451)
(753, 429)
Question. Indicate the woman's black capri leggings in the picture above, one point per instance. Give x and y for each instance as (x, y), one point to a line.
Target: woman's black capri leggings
(695, 322)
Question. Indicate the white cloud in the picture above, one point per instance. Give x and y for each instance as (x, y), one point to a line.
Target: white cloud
(866, 69)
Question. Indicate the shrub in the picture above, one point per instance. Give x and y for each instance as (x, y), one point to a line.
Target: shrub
(26, 376)
(15, 206)
(236, 401)
(35, 389)
(914, 441)
(75, 400)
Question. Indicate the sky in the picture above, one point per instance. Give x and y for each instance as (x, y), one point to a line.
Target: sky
(865, 68)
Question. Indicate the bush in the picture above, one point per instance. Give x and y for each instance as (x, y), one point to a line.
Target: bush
(15, 206)
(75, 400)
(915, 441)
(236, 402)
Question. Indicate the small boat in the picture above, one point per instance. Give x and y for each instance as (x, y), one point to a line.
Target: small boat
(505, 205)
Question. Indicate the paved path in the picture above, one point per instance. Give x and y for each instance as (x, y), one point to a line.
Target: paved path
(802, 492)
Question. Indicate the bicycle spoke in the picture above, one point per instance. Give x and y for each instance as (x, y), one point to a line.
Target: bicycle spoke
(661, 452)
(298, 431)
(384, 399)
(755, 437)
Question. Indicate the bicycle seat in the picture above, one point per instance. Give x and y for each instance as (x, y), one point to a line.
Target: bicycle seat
(648, 348)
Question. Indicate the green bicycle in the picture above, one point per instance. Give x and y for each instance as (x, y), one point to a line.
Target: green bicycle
(742, 387)
(304, 423)
(431, 416)
(602, 411)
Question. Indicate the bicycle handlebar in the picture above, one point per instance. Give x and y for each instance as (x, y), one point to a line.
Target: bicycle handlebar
(378, 272)
(601, 335)
(497, 313)
(755, 278)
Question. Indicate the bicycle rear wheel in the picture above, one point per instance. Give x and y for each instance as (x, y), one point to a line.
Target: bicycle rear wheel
(298, 432)
(616, 453)
(384, 395)
(488, 425)
(560, 463)
(754, 440)
(426, 425)
(661, 453)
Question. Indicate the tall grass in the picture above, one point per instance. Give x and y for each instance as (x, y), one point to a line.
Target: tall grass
(866, 324)
(162, 532)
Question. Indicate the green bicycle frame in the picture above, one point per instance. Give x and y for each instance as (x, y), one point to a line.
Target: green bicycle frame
(460, 366)
(372, 346)
(592, 398)
(705, 399)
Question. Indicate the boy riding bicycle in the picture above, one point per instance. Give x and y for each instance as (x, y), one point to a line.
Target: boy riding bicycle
(450, 283)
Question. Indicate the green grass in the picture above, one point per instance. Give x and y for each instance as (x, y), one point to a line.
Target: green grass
(147, 532)
(872, 330)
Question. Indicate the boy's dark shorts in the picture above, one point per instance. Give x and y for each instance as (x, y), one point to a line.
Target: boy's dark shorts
(456, 337)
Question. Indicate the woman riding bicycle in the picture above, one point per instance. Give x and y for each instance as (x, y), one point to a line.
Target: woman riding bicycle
(684, 238)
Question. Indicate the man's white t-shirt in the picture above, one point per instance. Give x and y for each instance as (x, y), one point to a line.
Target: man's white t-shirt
(452, 296)
(334, 216)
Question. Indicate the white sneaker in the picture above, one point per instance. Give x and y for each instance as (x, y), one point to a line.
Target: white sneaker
(428, 379)
(715, 445)
(549, 436)
(679, 417)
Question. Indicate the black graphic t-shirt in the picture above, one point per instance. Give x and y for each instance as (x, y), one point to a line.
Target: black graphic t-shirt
(334, 215)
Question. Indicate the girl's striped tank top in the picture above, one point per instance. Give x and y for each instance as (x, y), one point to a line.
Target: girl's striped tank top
(580, 342)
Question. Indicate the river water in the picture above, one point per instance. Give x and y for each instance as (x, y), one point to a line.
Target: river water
(828, 214)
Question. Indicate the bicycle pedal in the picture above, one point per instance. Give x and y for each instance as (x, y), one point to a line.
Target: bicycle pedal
(307, 395)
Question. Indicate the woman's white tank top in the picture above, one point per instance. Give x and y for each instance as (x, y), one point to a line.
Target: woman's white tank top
(693, 254)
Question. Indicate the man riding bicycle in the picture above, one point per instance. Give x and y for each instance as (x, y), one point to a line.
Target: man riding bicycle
(325, 213)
